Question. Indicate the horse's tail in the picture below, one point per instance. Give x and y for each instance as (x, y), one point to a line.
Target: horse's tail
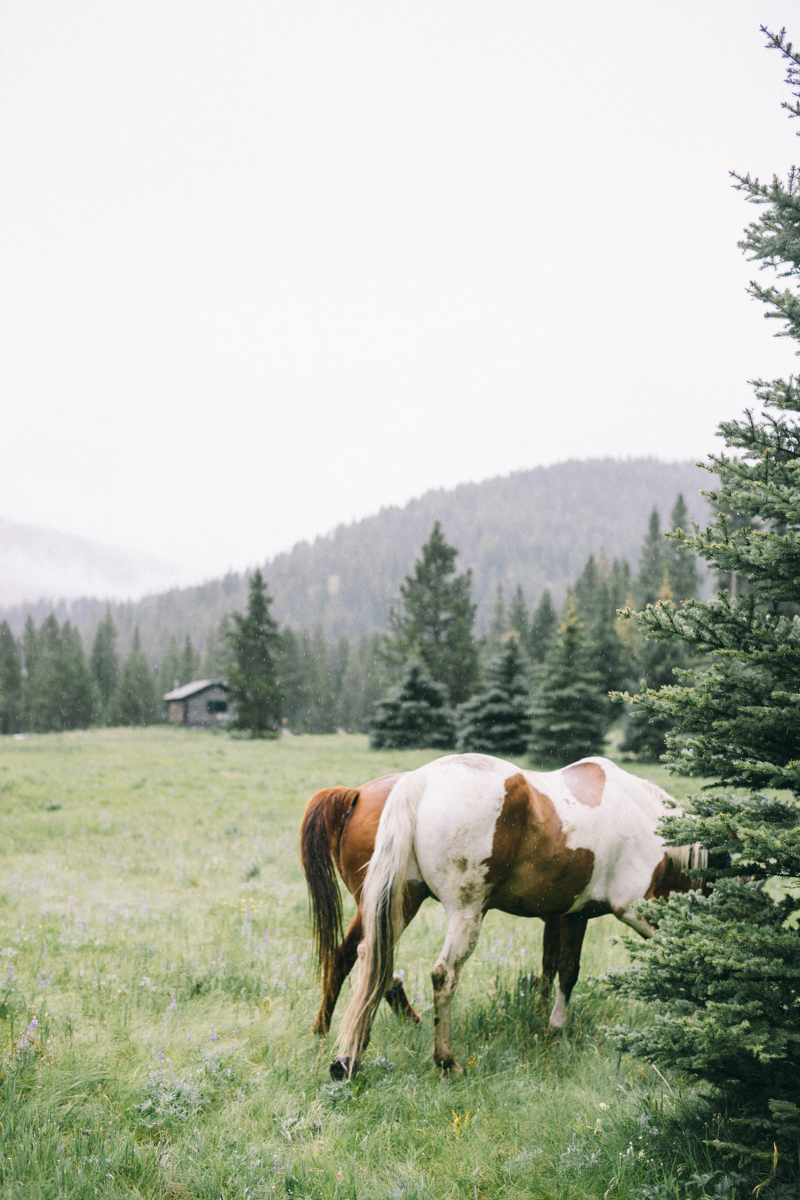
(319, 840)
(382, 910)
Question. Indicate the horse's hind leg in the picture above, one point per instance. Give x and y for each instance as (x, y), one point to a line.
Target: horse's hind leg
(551, 948)
(342, 965)
(396, 997)
(462, 934)
(572, 930)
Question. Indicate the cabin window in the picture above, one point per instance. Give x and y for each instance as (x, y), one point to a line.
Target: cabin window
(216, 706)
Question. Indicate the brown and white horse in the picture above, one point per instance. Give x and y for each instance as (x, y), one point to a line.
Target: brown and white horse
(338, 834)
(477, 833)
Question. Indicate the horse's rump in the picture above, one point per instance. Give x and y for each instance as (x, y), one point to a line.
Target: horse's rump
(320, 834)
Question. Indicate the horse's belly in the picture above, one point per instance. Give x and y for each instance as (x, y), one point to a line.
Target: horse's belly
(542, 889)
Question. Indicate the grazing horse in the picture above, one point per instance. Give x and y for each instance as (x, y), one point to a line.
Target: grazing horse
(338, 832)
(477, 833)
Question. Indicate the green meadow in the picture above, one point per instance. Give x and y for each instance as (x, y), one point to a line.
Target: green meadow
(157, 991)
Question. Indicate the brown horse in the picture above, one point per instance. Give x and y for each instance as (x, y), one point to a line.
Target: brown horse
(338, 834)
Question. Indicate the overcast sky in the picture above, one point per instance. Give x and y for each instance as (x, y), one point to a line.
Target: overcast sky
(269, 266)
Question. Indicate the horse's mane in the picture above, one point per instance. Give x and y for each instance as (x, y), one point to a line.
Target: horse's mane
(692, 857)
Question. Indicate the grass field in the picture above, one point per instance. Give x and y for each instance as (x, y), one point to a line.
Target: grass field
(157, 991)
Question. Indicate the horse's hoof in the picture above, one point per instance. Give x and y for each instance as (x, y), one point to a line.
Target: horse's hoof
(340, 1068)
(451, 1069)
(415, 1017)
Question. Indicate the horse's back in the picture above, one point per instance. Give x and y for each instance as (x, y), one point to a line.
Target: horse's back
(490, 835)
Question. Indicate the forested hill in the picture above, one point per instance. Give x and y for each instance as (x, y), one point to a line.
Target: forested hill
(534, 527)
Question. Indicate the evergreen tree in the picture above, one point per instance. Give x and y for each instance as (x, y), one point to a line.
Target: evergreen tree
(104, 660)
(682, 572)
(519, 619)
(723, 977)
(497, 719)
(498, 626)
(169, 671)
(414, 713)
(190, 663)
(30, 655)
(437, 620)
(363, 685)
(656, 662)
(135, 702)
(10, 682)
(594, 602)
(61, 693)
(652, 563)
(542, 629)
(568, 717)
(253, 680)
(217, 660)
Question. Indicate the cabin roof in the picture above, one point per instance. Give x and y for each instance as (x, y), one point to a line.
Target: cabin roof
(191, 689)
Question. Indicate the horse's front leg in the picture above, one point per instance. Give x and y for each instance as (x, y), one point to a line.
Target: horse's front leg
(342, 965)
(571, 933)
(462, 934)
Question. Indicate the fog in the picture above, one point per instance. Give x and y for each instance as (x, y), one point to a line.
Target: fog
(268, 267)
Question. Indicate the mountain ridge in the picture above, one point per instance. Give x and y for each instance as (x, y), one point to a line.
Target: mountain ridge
(535, 527)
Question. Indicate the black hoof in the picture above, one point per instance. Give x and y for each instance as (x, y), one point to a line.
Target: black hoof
(340, 1068)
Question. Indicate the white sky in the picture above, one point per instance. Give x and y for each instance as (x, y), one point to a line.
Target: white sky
(269, 266)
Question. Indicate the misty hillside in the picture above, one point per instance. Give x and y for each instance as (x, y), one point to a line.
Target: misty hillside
(44, 562)
(534, 527)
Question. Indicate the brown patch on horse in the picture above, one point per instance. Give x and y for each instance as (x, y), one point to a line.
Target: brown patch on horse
(669, 877)
(531, 870)
(357, 841)
(587, 782)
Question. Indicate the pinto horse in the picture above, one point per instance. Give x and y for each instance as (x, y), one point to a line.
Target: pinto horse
(477, 833)
(338, 834)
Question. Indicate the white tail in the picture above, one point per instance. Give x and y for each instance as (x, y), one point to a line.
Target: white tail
(382, 911)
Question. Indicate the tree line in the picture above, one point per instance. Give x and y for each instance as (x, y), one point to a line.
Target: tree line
(428, 662)
(538, 682)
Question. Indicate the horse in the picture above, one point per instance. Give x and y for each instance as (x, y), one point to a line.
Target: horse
(477, 833)
(338, 834)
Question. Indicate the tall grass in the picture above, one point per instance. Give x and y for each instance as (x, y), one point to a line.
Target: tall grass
(157, 992)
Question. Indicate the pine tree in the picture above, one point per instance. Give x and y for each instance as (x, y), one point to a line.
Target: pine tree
(30, 655)
(415, 713)
(541, 631)
(652, 563)
(253, 680)
(498, 626)
(134, 702)
(497, 719)
(656, 662)
(519, 620)
(190, 663)
(682, 572)
(61, 692)
(723, 977)
(104, 660)
(10, 681)
(436, 621)
(217, 660)
(169, 670)
(595, 607)
(568, 717)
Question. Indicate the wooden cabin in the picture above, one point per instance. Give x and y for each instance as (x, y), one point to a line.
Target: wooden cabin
(199, 705)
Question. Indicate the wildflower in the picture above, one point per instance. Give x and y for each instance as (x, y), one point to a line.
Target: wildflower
(213, 1037)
